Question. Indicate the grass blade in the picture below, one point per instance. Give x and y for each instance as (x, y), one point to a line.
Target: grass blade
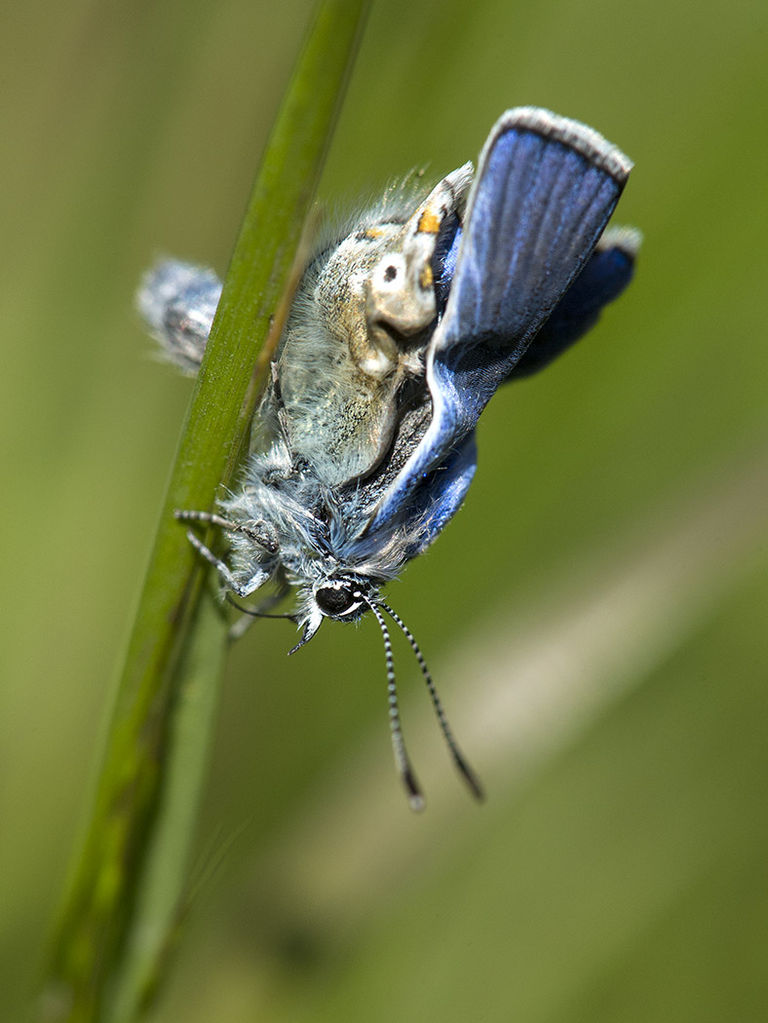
(143, 814)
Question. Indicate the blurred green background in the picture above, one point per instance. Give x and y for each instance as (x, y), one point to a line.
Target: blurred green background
(595, 616)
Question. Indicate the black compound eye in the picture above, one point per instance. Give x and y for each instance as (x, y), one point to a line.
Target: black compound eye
(333, 600)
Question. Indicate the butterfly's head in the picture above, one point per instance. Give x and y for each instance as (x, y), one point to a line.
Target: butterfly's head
(342, 597)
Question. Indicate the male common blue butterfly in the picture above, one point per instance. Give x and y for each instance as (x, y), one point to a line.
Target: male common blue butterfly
(403, 327)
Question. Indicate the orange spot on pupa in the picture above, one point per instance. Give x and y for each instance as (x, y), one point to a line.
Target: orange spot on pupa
(429, 222)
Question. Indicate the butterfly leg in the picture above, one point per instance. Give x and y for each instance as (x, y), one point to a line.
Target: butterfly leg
(225, 573)
(259, 577)
(244, 622)
(259, 531)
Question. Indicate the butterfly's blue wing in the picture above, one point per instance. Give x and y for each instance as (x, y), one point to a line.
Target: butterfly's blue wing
(606, 274)
(543, 194)
(439, 497)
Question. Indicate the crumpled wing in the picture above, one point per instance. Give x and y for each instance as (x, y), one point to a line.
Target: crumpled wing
(544, 191)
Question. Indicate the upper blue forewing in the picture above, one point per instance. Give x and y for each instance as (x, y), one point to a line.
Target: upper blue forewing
(606, 274)
(544, 191)
(604, 277)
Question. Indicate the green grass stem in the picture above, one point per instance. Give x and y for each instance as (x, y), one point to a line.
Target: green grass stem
(122, 902)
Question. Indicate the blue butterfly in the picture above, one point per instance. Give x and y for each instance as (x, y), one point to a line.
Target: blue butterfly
(404, 325)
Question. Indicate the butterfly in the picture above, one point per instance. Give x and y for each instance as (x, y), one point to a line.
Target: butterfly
(405, 323)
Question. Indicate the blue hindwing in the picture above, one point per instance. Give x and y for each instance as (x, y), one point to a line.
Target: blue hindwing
(543, 193)
(439, 497)
(606, 274)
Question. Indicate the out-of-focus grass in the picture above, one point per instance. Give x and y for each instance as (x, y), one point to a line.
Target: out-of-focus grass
(621, 874)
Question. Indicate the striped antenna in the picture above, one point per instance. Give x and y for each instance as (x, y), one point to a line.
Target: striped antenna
(465, 770)
(402, 760)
